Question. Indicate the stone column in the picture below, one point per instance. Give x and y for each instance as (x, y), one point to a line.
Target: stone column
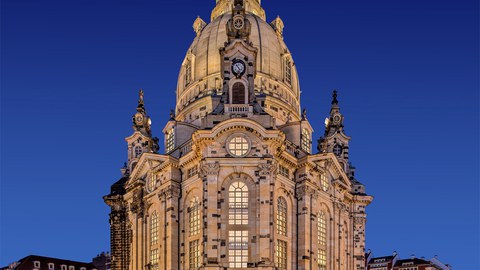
(211, 215)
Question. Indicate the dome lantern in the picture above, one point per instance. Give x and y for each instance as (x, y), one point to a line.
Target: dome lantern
(225, 7)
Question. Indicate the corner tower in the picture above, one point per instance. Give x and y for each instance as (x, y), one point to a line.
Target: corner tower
(238, 185)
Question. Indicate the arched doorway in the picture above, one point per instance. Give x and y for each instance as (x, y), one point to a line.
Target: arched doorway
(238, 93)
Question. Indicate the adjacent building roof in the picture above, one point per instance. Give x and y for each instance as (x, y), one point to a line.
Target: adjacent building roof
(47, 263)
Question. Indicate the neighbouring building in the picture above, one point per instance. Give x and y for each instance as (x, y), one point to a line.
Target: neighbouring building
(102, 261)
(34, 262)
(239, 185)
(382, 263)
(420, 264)
(393, 262)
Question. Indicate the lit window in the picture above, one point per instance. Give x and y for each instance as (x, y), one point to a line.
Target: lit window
(281, 255)
(154, 229)
(170, 143)
(194, 254)
(188, 72)
(288, 71)
(238, 249)
(324, 182)
(154, 258)
(322, 241)
(194, 217)
(152, 183)
(238, 146)
(238, 204)
(282, 216)
(138, 151)
(305, 140)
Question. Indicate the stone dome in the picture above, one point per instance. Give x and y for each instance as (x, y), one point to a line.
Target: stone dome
(200, 75)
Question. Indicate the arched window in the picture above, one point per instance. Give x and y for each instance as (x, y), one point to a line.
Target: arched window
(305, 140)
(322, 241)
(238, 225)
(170, 141)
(154, 229)
(194, 217)
(238, 93)
(238, 204)
(138, 151)
(281, 216)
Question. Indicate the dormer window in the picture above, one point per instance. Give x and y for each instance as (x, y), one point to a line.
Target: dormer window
(305, 141)
(288, 71)
(64, 267)
(170, 141)
(188, 72)
(51, 266)
(83, 268)
(138, 151)
(36, 264)
(71, 267)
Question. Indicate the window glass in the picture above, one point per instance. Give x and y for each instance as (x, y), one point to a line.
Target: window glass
(282, 216)
(194, 217)
(238, 249)
(170, 142)
(154, 229)
(238, 204)
(238, 146)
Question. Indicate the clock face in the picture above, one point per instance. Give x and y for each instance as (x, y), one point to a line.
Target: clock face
(139, 118)
(336, 119)
(238, 67)
(238, 23)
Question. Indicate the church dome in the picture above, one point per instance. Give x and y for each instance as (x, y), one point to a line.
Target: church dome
(201, 75)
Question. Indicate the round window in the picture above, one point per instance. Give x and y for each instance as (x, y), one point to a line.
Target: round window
(238, 146)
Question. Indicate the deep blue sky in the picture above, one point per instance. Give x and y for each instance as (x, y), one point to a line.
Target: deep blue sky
(406, 71)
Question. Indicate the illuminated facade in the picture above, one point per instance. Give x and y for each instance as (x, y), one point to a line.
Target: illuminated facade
(238, 186)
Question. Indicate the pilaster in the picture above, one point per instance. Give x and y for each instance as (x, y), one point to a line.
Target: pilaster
(211, 215)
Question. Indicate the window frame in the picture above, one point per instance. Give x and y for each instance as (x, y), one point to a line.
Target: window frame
(306, 140)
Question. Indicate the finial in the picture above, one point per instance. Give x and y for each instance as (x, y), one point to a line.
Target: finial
(140, 97)
(172, 115)
(334, 101)
(304, 114)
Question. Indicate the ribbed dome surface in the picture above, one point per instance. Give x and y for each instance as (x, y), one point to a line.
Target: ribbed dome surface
(205, 60)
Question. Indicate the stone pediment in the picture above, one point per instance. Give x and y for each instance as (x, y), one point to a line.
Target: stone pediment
(148, 162)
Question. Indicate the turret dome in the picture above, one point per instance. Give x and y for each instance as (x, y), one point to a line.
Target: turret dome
(201, 75)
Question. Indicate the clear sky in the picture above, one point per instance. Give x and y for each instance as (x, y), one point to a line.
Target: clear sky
(406, 71)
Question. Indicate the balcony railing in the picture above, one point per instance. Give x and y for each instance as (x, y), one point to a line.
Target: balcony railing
(238, 108)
